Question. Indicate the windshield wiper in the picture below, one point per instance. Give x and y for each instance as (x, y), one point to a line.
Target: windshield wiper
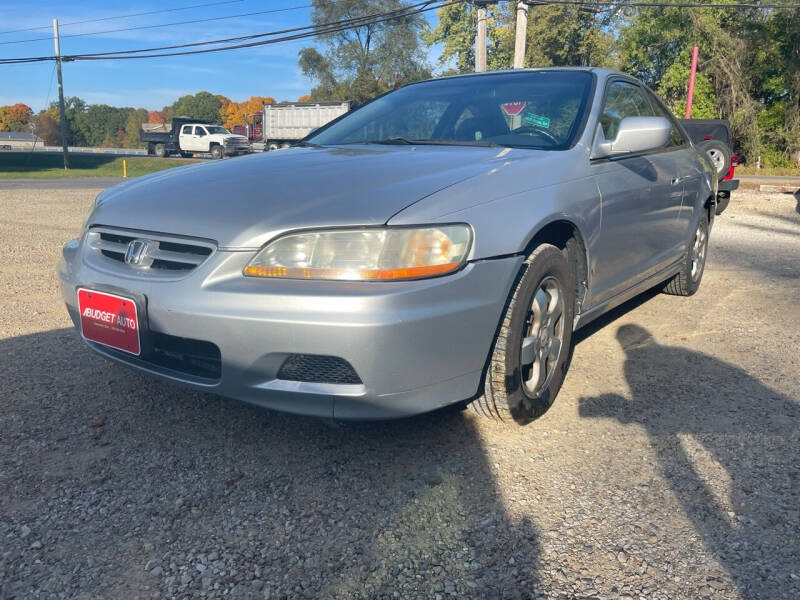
(406, 141)
(306, 144)
(393, 140)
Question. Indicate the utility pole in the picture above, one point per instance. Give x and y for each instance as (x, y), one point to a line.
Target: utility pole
(480, 42)
(61, 108)
(521, 33)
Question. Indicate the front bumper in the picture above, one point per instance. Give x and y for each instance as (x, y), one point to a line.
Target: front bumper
(416, 346)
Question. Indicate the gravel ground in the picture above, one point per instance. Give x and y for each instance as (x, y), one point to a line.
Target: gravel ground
(668, 467)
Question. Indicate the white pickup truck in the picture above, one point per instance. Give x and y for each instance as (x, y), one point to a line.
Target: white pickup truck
(188, 137)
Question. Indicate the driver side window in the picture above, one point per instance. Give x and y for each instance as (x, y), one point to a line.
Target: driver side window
(622, 100)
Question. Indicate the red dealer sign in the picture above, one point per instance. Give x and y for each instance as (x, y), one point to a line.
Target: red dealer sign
(109, 320)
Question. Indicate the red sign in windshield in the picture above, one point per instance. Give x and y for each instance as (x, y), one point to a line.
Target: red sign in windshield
(513, 108)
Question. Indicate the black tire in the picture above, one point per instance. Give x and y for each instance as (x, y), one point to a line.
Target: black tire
(506, 392)
(687, 282)
(720, 155)
(723, 199)
(217, 152)
(160, 150)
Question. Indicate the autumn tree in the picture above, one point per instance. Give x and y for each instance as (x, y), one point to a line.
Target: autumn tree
(238, 113)
(156, 116)
(15, 117)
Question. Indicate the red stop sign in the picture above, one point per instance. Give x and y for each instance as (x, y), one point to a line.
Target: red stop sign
(513, 108)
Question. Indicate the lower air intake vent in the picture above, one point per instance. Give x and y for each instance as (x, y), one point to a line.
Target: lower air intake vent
(316, 368)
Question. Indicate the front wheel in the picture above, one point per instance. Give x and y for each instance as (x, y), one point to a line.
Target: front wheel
(216, 152)
(687, 281)
(531, 351)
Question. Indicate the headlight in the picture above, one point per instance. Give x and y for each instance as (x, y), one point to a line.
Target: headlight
(388, 253)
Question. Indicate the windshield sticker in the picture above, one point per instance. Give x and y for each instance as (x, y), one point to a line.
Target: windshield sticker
(513, 108)
(536, 121)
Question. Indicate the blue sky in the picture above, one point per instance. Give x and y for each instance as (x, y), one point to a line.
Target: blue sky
(152, 83)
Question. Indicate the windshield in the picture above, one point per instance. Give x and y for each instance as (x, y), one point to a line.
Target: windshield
(529, 109)
(216, 129)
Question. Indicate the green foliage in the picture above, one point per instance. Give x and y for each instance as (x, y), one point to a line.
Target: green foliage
(674, 87)
(749, 69)
(358, 64)
(203, 106)
(132, 127)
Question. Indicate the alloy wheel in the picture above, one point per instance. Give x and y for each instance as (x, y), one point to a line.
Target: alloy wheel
(698, 252)
(544, 336)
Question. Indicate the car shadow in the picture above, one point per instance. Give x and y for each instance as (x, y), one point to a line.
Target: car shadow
(729, 448)
(112, 470)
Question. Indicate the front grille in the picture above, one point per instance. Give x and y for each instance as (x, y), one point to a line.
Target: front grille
(163, 252)
(318, 368)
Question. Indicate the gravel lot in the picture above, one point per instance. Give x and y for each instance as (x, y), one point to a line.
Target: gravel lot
(668, 468)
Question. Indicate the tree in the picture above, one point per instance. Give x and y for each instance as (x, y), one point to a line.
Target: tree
(203, 106)
(362, 62)
(132, 127)
(15, 117)
(456, 30)
(556, 35)
(654, 46)
(237, 113)
(156, 116)
(47, 126)
(101, 125)
(304, 98)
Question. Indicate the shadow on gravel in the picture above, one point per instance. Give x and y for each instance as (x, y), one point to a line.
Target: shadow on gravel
(111, 471)
(730, 449)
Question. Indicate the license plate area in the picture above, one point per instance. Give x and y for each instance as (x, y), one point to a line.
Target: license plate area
(110, 320)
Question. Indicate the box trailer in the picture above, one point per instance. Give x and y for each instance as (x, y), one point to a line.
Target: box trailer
(279, 125)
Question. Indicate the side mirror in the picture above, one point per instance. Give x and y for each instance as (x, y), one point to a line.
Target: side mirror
(635, 134)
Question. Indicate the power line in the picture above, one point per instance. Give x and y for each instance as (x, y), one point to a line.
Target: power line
(317, 29)
(307, 31)
(151, 12)
(323, 29)
(623, 3)
(250, 14)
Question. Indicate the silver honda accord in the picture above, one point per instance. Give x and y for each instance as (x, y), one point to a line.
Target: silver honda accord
(436, 246)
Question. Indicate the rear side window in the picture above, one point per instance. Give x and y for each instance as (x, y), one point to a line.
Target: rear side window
(676, 137)
(199, 131)
(623, 100)
(187, 130)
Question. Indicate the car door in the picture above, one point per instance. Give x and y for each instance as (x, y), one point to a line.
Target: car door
(641, 196)
(186, 140)
(690, 172)
(200, 139)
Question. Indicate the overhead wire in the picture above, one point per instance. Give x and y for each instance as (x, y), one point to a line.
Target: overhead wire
(336, 26)
(141, 14)
(306, 31)
(140, 27)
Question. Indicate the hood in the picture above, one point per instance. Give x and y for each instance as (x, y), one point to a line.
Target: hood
(246, 201)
